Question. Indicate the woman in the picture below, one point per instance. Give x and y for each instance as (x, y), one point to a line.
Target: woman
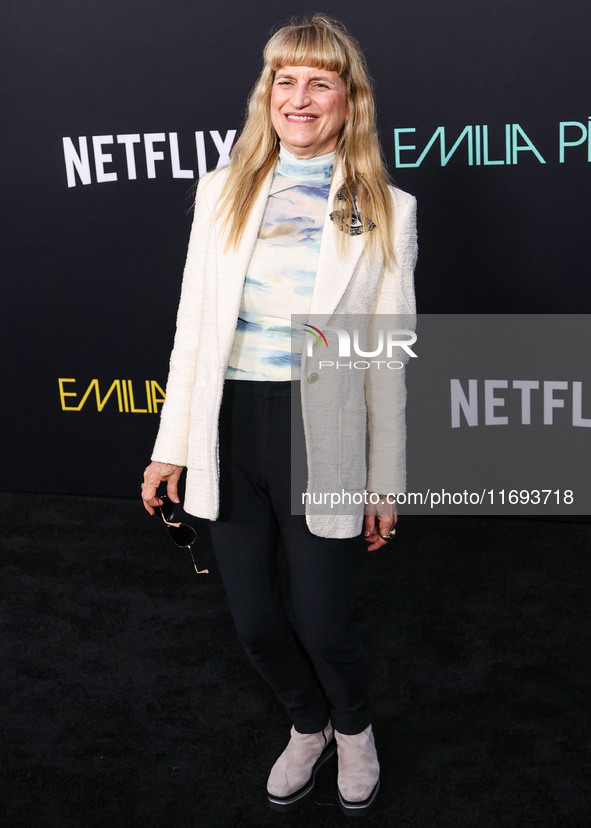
(301, 222)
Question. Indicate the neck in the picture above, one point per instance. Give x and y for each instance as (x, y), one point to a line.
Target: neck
(302, 154)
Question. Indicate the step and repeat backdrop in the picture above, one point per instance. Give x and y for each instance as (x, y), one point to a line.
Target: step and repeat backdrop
(111, 112)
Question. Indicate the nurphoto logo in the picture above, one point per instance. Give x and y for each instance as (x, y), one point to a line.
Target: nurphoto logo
(385, 344)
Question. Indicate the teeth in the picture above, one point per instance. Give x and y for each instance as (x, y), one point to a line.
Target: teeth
(301, 118)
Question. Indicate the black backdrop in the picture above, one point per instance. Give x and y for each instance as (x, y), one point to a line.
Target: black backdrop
(91, 271)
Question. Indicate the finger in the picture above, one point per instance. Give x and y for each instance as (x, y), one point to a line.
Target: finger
(172, 491)
(151, 502)
(369, 524)
(379, 534)
(149, 496)
(378, 543)
(147, 507)
(371, 534)
(386, 524)
(149, 487)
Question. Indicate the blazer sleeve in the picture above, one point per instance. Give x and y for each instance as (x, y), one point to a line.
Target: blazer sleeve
(385, 389)
(172, 440)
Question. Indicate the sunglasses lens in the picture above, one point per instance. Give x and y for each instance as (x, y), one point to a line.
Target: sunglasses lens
(166, 511)
(182, 535)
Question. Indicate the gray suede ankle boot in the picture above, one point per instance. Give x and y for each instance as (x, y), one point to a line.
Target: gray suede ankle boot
(293, 775)
(359, 771)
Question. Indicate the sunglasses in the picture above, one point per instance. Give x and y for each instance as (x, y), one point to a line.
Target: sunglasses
(182, 534)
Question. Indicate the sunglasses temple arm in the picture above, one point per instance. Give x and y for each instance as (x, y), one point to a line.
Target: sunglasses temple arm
(198, 571)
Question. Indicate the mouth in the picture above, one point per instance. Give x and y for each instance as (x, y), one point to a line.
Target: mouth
(300, 119)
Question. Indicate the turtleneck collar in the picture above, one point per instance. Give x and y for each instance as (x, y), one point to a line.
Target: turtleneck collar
(317, 169)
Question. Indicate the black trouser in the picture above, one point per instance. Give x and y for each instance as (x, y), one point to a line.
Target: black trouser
(319, 672)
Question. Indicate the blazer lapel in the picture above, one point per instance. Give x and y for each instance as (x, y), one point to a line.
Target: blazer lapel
(334, 271)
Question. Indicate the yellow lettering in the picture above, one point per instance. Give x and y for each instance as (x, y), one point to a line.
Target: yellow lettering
(100, 404)
(64, 394)
(133, 409)
(125, 401)
(123, 389)
(93, 384)
(155, 399)
(149, 397)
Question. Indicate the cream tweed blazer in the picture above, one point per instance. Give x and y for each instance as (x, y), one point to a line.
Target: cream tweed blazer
(336, 452)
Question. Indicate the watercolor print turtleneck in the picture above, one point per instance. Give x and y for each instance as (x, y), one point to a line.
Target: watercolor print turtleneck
(282, 270)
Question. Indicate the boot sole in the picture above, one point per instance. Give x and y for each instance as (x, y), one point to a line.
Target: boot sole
(359, 808)
(285, 804)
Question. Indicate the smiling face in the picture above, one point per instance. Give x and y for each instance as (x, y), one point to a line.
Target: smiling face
(308, 109)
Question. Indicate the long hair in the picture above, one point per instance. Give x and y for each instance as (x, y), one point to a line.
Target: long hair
(322, 43)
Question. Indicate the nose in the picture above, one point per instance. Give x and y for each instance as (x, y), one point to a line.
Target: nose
(300, 97)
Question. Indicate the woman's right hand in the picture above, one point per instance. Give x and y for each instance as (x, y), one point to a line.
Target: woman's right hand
(154, 475)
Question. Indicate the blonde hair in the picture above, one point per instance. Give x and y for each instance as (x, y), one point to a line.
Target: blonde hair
(323, 43)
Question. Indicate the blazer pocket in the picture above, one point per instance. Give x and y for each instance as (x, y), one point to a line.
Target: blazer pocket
(352, 468)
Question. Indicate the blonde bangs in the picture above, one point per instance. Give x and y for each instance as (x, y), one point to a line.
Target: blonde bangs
(316, 46)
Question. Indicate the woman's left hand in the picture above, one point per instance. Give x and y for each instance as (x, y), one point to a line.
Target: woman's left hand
(377, 527)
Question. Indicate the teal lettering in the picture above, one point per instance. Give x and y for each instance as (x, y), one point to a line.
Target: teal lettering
(467, 131)
(477, 144)
(398, 147)
(487, 160)
(527, 147)
(563, 143)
